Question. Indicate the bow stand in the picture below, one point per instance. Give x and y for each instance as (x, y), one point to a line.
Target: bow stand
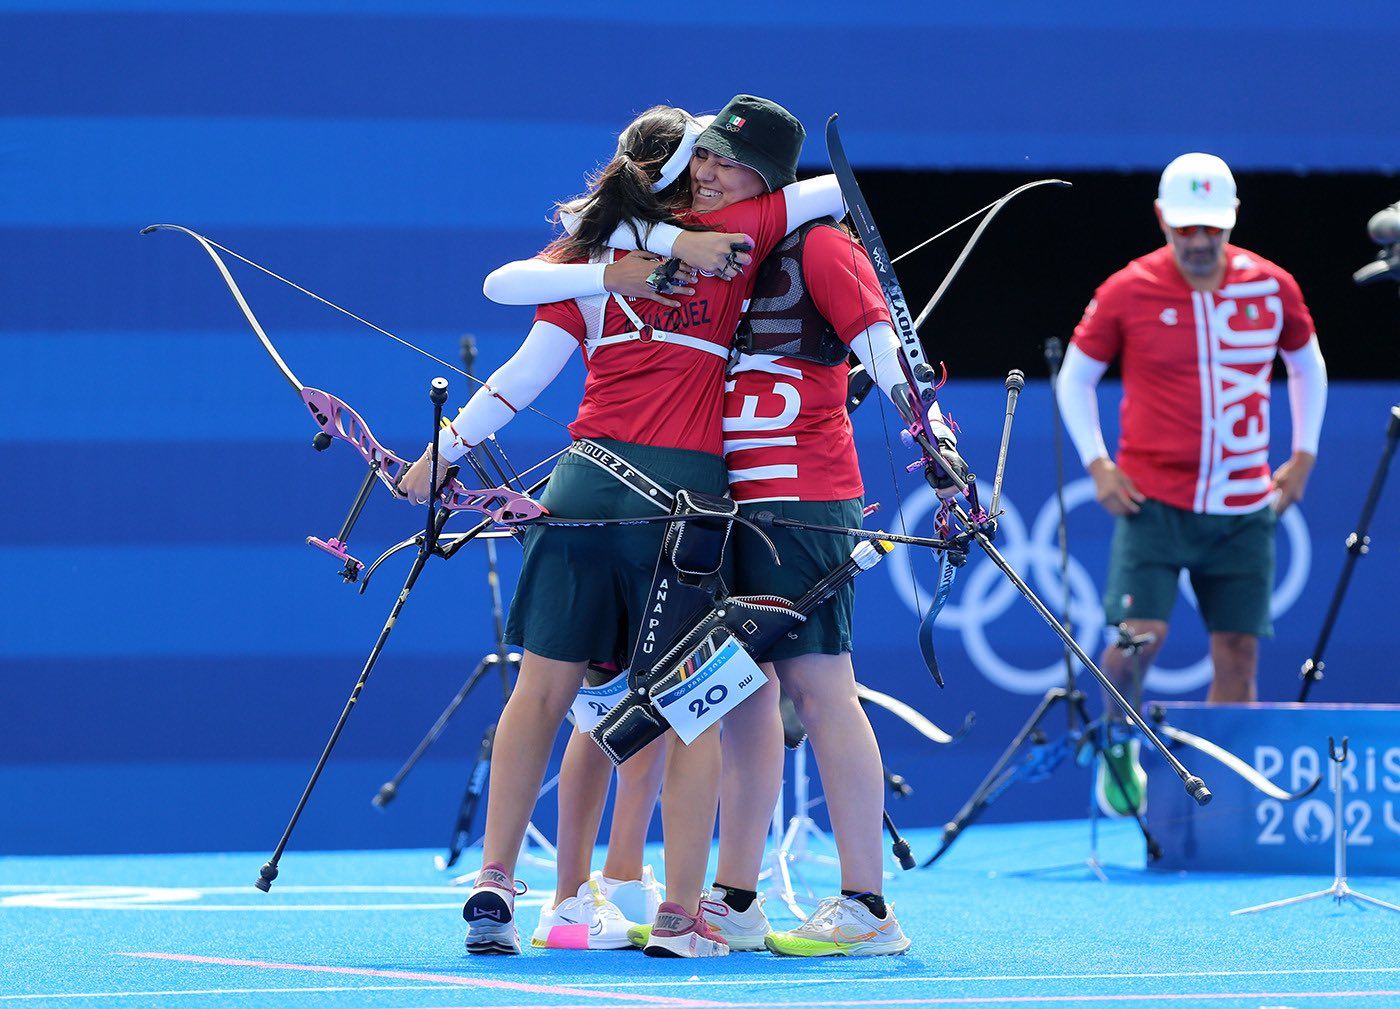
(504, 661)
(436, 518)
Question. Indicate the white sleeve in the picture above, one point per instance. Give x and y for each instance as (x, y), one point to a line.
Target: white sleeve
(658, 237)
(511, 388)
(806, 201)
(1307, 394)
(1077, 393)
(812, 198)
(538, 282)
(878, 349)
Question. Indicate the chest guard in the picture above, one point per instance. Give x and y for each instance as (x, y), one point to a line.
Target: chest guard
(782, 319)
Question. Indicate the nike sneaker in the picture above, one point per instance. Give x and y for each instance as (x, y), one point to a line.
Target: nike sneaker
(842, 926)
(1120, 783)
(744, 931)
(490, 912)
(678, 934)
(587, 920)
(637, 899)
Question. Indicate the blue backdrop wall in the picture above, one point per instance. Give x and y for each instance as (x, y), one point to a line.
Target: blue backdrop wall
(173, 656)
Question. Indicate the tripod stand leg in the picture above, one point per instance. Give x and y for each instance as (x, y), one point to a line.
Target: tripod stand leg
(390, 789)
(532, 835)
(898, 845)
(1194, 786)
(1271, 905)
(997, 779)
(1357, 545)
(268, 873)
(1352, 894)
(466, 812)
(535, 836)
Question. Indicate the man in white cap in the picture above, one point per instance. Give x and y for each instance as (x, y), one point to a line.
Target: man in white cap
(1196, 326)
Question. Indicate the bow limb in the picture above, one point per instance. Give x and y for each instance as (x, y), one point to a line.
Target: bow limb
(1232, 761)
(947, 571)
(911, 717)
(972, 241)
(918, 392)
(233, 288)
(337, 419)
(918, 374)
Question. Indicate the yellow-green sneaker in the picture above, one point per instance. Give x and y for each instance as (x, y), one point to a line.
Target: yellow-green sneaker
(1120, 783)
(842, 926)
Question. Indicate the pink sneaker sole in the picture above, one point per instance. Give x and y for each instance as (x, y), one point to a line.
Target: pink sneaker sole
(562, 937)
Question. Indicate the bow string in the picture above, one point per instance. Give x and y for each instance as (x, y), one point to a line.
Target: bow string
(502, 504)
(920, 389)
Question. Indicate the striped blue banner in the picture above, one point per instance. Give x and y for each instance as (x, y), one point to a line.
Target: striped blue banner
(164, 623)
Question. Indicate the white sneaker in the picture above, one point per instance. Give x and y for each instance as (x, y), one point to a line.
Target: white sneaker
(842, 926)
(490, 912)
(743, 931)
(587, 920)
(637, 899)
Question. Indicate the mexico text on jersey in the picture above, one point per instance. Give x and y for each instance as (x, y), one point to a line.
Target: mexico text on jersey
(1196, 372)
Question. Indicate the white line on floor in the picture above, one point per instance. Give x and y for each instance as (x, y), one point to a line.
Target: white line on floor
(236, 991)
(281, 888)
(253, 908)
(846, 980)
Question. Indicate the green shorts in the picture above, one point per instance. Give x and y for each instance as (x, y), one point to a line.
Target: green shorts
(582, 591)
(807, 557)
(1230, 560)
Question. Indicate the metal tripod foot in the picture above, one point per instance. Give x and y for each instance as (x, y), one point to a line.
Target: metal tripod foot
(1339, 891)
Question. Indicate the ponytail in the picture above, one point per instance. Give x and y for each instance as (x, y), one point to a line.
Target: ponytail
(622, 189)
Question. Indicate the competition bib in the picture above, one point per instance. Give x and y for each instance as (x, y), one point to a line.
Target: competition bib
(592, 703)
(716, 688)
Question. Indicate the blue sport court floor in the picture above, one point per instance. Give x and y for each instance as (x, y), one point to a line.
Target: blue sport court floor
(993, 924)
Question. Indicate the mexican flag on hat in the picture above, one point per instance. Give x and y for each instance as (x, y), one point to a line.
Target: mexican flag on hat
(1197, 189)
(757, 134)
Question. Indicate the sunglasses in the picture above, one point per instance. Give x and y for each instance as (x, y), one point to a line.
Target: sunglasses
(1191, 229)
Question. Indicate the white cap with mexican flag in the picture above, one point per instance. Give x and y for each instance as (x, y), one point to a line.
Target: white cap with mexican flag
(1197, 189)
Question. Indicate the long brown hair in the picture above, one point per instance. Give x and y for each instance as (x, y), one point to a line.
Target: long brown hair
(621, 189)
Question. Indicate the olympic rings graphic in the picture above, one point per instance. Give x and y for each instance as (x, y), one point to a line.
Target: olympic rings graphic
(985, 595)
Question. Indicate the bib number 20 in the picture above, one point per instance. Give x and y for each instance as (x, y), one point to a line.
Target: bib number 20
(701, 706)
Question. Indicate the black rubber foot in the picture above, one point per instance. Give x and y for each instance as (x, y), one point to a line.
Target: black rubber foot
(903, 855)
(1197, 790)
(265, 877)
(387, 793)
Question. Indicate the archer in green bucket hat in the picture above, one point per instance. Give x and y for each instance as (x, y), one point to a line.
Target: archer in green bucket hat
(757, 134)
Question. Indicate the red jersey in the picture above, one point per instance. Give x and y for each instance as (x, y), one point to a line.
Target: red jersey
(656, 374)
(1196, 370)
(787, 435)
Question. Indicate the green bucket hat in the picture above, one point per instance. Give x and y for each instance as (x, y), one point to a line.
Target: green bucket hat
(757, 134)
